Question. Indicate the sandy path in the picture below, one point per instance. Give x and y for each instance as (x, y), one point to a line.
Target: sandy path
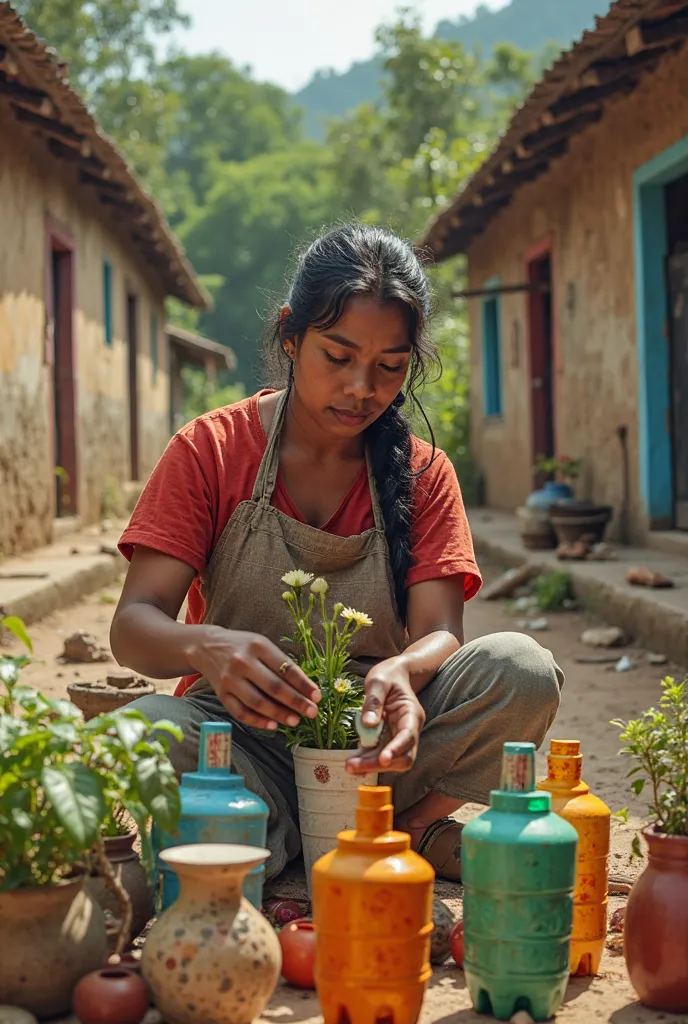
(592, 696)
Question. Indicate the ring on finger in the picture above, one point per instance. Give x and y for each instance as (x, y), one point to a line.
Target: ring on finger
(284, 668)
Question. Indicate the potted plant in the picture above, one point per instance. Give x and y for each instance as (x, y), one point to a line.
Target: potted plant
(61, 779)
(656, 920)
(321, 746)
(561, 471)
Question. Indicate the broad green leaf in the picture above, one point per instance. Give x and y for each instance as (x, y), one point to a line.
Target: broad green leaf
(638, 785)
(76, 795)
(168, 727)
(17, 627)
(130, 730)
(159, 791)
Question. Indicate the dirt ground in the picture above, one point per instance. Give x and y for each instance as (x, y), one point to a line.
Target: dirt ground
(593, 695)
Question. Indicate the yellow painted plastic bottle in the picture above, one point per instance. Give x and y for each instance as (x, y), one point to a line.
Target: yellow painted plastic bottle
(372, 911)
(572, 799)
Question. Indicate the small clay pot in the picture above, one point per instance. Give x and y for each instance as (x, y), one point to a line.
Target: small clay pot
(103, 698)
(656, 925)
(111, 996)
(128, 868)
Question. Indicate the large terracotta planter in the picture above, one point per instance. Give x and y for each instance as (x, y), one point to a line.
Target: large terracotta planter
(211, 957)
(656, 925)
(50, 937)
(328, 798)
(131, 873)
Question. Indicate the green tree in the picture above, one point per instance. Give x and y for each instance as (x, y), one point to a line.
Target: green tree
(102, 39)
(254, 215)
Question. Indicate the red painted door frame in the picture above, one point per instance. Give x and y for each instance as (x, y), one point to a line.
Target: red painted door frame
(60, 358)
(542, 351)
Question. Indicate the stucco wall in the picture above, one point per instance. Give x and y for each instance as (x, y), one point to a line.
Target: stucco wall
(585, 202)
(33, 187)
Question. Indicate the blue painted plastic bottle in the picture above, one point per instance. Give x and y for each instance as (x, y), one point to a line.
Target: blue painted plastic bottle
(216, 808)
(518, 866)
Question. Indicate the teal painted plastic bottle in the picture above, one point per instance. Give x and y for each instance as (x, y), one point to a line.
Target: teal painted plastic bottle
(518, 866)
(216, 808)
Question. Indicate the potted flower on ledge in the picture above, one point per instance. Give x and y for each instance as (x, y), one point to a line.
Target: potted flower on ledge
(322, 745)
(656, 920)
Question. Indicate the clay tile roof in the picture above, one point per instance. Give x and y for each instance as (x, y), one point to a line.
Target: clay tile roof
(200, 346)
(36, 84)
(606, 62)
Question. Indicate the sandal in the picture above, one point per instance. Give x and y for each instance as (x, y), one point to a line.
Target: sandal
(441, 848)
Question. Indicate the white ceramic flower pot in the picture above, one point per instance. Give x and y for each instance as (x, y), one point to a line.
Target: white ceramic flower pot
(328, 798)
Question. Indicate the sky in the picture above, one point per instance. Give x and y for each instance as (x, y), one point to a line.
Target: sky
(285, 41)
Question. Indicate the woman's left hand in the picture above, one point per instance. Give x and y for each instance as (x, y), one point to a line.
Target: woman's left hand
(390, 696)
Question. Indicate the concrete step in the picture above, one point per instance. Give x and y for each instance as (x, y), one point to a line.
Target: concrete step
(658, 619)
(49, 578)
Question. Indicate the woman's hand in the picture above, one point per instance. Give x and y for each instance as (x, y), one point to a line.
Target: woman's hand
(244, 671)
(389, 696)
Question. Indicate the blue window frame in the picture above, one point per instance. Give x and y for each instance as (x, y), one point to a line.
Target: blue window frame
(107, 301)
(154, 342)
(492, 355)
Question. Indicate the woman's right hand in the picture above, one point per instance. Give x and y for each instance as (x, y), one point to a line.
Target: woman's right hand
(244, 671)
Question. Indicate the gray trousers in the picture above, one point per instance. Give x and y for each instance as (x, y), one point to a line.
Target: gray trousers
(499, 688)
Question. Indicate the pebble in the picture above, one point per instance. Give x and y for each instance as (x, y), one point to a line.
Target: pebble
(656, 659)
(605, 636)
(534, 625)
(15, 1015)
(624, 664)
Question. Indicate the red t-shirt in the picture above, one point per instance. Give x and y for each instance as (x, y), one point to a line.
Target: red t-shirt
(211, 465)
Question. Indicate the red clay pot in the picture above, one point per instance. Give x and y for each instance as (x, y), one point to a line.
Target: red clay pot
(111, 996)
(656, 925)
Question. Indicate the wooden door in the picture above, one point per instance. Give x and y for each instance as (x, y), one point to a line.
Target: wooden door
(678, 361)
(60, 353)
(541, 351)
(133, 384)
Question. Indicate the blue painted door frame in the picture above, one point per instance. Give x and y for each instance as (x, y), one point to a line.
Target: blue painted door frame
(654, 395)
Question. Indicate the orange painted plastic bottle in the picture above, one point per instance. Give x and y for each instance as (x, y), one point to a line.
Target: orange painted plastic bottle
(372, 911)
(572, 800)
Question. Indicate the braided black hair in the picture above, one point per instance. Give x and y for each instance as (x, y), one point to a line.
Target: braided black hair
(356, 259)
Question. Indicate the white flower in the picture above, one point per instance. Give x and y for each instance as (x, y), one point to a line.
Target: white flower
(319, 586)
(342, 685)
(297, 578)
(360, 618)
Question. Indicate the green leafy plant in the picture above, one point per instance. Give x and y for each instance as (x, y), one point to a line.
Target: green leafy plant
(64, 782)
(561, 466)
(553, 591)
(325, 662)
(658, 743)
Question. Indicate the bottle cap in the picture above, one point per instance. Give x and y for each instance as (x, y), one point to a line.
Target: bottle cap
(518, 768)
(215, 748)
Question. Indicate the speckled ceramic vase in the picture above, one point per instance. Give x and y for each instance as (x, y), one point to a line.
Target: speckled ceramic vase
(212, 956)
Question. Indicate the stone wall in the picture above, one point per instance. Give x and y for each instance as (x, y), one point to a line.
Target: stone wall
(585, 202)
(35, 187)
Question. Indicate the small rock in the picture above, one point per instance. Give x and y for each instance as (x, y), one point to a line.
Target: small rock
(444, 921)
(509, 582)
(604, 636)
(616, 921)
(74, 551)
(624, 664)
(15, 1015)
(534, 625)
(83, 647)
(603, 552)
(643, 576)
(526, 604)
(109, 549)
(121, 678)
(656, 659)
(577, 551)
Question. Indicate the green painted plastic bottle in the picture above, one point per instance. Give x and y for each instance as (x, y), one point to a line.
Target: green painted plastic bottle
(518, 866)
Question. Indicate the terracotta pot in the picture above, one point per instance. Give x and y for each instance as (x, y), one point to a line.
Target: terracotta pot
(211, 956)
(573, 520)
(132, 875)
(111, 996)
(535, 529)
(101, 698)
(656, 925)
(328, 798)
(50, 937)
